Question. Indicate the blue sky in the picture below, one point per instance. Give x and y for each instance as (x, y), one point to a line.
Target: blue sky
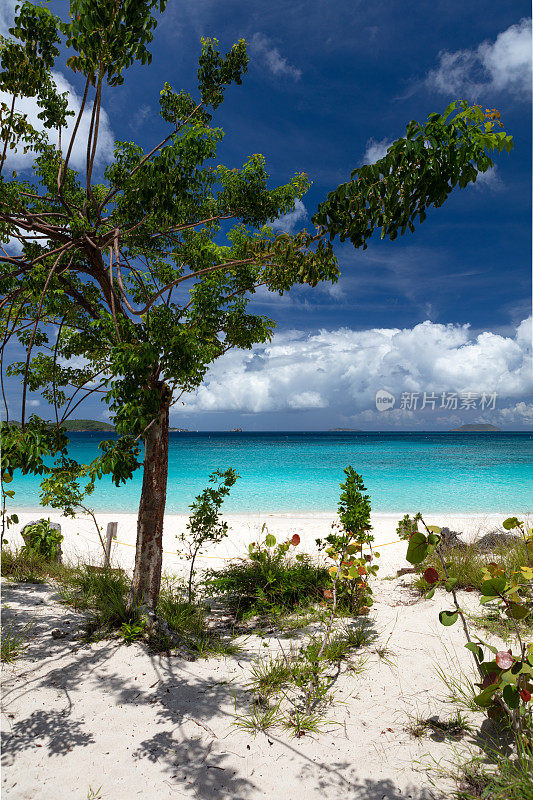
(329, 86)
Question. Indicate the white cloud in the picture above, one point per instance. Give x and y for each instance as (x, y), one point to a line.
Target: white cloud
(376, 150)
(489, 180)
(17, 160)
(502, 65)
(342, 370)
(288, 222)
(263, 48)
(7, 13)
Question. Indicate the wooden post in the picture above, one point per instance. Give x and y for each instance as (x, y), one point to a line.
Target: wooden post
(111, 533)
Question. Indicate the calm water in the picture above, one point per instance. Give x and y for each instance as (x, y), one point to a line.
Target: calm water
(301, 471)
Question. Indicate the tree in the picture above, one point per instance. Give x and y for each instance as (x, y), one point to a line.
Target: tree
(145, 277)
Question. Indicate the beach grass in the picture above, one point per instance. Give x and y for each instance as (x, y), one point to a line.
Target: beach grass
(466, 565)
(279, 586)
(28, 566)
(13, 641)
(510, 779)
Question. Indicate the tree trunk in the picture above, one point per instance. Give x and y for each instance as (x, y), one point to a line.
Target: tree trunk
(149, 553)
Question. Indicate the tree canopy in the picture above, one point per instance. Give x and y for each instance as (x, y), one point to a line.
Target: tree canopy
(133, 284)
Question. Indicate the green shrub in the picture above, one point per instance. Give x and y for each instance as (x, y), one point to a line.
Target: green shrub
(104, 593)
(269, 580)
(13, 642)
(27, 566)
(42, 538)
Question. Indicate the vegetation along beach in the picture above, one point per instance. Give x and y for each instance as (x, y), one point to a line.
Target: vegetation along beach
(266, 381)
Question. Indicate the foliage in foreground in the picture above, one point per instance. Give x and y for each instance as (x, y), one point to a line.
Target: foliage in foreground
(204, 524)
(269, 581)
(505, 686)
(467, 565)
(27, 566)
(510, 779)
(14, 641)
(293, 689)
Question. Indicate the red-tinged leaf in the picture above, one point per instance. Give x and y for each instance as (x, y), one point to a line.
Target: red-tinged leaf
(295, 540)
(525, 695)
(431, 575)
(328, 594)
(489, 679)
(361, 571)
(504, 660)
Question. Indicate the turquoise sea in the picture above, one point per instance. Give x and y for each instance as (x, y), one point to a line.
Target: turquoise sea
(433, 472)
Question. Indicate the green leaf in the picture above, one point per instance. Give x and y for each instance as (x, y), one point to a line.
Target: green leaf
(434, 529)
(511, 696)
(494, 587)
(270, 540)
(451, 584)
(476, 649)
(484, 698)
(14, 518)
(510, 523)
(430, 594)
(517, 611)
(7, 478)
(448, 617)
(417, 549)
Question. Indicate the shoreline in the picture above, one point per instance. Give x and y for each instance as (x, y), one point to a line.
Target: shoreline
(81, 539)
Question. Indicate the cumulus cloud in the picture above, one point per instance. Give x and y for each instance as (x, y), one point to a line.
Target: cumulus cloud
(288, 222)
(18, 160)
(502, 65)
(7, 13)
(264, 49)
(376, 150)
(342, 370)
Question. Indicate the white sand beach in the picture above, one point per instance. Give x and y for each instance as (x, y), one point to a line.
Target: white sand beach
(78, 717)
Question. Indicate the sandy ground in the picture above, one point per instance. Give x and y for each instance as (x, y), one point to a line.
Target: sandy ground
(79, 717)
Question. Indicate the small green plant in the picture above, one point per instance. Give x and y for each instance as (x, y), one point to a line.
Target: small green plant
(407, 526)
(505, 687)
(44, 539)
(204, 525)
(351, 571)
(132, 631)
(94, 794)
(13, 642)
(270, 581)
(454, 727)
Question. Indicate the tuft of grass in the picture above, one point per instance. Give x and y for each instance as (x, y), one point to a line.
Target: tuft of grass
(459, 686)
(104, 594)
(454, 727)
(259, 719)
(27, 566)
(188, 626)
(299, 723)
(467, 565)
(280, 585)
(341, 643)
(13, 642)
(492, 621)
(510, 779)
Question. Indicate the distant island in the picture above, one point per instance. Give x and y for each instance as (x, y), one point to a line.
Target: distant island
(178, 430)
(236, 430)
(472, 428)
(77, 425)
(84, 425)
(338, 430)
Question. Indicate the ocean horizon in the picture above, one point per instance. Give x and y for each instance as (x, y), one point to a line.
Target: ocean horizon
(300, 471)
